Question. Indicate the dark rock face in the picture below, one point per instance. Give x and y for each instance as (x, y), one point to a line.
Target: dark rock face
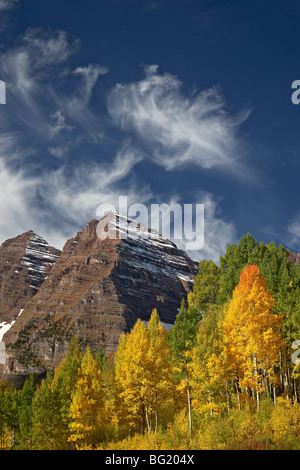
(150, 273)
(25, 263)
(294, 257)
(96, 290)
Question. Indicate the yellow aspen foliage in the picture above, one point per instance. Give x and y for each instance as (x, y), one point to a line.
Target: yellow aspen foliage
(284, 422)
(252, 338)
(130, 367)
(88, 405)
(143, 376)
(159, 381)
(209, 376)
(119, 417)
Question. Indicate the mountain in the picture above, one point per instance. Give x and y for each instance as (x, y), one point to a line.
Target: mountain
(25, 263)
(294, 257)
(96, 289)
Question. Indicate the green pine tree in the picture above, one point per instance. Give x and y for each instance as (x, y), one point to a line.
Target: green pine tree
(26, 396)
(64, 381)
(46, 417)
(11, 413)
(2, 420)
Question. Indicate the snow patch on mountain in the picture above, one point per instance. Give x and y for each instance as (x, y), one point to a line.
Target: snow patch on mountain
(37, 257)
(150, 250)
(4, 326)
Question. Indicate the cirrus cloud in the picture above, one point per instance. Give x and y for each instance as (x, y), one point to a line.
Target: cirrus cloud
(293, 233)
(178, 129)
(6, 5)
(57, 203)
(56, 196)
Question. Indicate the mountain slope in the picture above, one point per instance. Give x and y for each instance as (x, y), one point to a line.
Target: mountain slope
(25, 263)
(97, 289)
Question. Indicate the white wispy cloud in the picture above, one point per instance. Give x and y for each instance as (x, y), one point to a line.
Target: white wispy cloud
(6, 5)
(90, 75)
(217, 231)
(204, 239)
(59, 123)
(57, 203)
(49, 102)
(50, 47)
(6, 9)
(58, 152)
(76, 194)
(76, 105)
(18, 190)
(49, 105)
(293, 233)
(178, 129)
(30, 70)
(39, 78)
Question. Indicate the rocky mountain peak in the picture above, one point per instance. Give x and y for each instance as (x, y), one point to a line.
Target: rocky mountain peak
(25, 262)
(97, 288)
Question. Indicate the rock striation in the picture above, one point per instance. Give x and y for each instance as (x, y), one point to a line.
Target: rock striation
(96, 289)
(25, 263)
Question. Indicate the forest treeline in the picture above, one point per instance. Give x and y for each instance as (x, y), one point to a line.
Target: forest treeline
(225, 376)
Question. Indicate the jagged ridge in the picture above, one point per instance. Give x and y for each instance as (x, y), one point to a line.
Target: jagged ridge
(96, 289)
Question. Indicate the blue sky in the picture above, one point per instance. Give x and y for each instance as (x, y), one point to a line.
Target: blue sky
(163, 101)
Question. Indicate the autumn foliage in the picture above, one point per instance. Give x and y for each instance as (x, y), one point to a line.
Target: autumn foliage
(252, 338)
(221, 378)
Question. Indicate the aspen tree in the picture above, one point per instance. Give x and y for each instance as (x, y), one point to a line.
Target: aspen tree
(252, 338)
(183, 336)
(130, 376)
(209, 378)
(88, 405)
(143, 375)
(159, 381)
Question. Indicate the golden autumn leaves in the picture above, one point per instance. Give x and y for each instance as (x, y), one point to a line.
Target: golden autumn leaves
(229, 367)
(252, 334)
(237, 349)
(144, 375)
(232, 363)
(87, 409)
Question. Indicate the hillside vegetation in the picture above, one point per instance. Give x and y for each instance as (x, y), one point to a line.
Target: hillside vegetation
(224, 377)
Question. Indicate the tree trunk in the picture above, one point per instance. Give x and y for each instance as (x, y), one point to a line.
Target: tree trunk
(256, 375)
(274, 395)
(188, 397)
(148, 421)
(227, 398)
(238, 395)
(12, 438)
